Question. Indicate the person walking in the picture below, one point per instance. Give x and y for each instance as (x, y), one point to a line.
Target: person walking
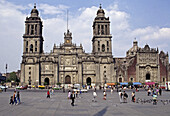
(18, 97)
(111, 90)
(149, 92)
(63, 89)
(15, 97)
(160, 91)
(104, 95)
(69, 94)
(154, 99)
(120, 96)
(94, 96)
(125, 96)
(157, 91)
(48, 94)
(133, 96)
(72, 98)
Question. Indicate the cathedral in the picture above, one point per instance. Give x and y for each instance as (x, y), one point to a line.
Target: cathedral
(68, 63)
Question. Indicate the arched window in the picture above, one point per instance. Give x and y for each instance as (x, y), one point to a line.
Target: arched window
(35, 43)
(29, 81)
(106, 29)
(28, 29)
(35, 29)
(102, 30)
(98, 30)
(32, 29)
(31, 48)
(98, 46)
(26, 43)
(103, 48)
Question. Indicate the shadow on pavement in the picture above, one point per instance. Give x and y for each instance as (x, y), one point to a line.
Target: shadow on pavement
(102, 112)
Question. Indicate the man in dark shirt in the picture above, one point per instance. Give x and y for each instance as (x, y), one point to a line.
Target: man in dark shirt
(72, 98)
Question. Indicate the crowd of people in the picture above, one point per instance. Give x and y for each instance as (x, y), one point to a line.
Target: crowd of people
(72, 95)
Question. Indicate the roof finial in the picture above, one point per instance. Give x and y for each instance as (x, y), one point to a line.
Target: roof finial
(100, 6)
(34, 5)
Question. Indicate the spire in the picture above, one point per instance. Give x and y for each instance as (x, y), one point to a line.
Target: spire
(135, 43)
(34, 5)
(100, 12)
(34, 12)
(100, 6)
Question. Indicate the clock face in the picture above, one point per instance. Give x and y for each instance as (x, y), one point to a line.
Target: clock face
(67, 41)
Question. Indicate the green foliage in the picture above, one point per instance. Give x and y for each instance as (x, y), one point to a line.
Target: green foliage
(117, 83)
(143, 83)
(13, 77)
(130, 83)
(59, 84)
(45, 83)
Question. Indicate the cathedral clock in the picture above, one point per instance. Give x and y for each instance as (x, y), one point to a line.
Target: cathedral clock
(67, 41)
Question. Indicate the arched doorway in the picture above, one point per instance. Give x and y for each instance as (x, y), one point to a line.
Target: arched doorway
(46, 81)
(120, 79)
(88, 81)
(148, 76)
(67, 79)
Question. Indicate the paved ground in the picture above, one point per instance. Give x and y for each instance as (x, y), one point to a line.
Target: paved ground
(36, 104)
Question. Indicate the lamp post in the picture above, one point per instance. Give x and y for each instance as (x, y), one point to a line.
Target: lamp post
(116, 79)
(115, 68)
(6, 77)
(36, 83)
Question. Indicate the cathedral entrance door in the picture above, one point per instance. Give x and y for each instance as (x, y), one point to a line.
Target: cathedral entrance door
(67, 79)
(46, 81)
(147, 76)
(88, 81)
(120, 79)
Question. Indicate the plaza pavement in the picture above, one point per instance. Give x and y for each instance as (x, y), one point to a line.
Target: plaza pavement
(35, 103)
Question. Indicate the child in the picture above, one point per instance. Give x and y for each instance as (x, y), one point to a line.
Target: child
(48, 94)
(94, 96)
(11, 100)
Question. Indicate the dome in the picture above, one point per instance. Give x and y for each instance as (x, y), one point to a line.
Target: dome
(34, 12)
(100, 12)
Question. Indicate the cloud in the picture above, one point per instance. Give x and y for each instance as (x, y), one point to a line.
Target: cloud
(11, 31)
(80, 24)
(52, 10)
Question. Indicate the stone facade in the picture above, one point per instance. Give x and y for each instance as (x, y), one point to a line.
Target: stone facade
(146, 64)
(68, 63)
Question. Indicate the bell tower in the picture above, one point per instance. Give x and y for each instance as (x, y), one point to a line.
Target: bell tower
(33, 39)
(102, 43)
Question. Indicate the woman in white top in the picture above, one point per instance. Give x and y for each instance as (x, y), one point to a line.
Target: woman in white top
(94, 96)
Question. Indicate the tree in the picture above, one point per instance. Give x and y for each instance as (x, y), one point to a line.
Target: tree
(13, 77)
(130, 83)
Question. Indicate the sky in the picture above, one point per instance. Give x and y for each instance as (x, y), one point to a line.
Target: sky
(146, 20)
